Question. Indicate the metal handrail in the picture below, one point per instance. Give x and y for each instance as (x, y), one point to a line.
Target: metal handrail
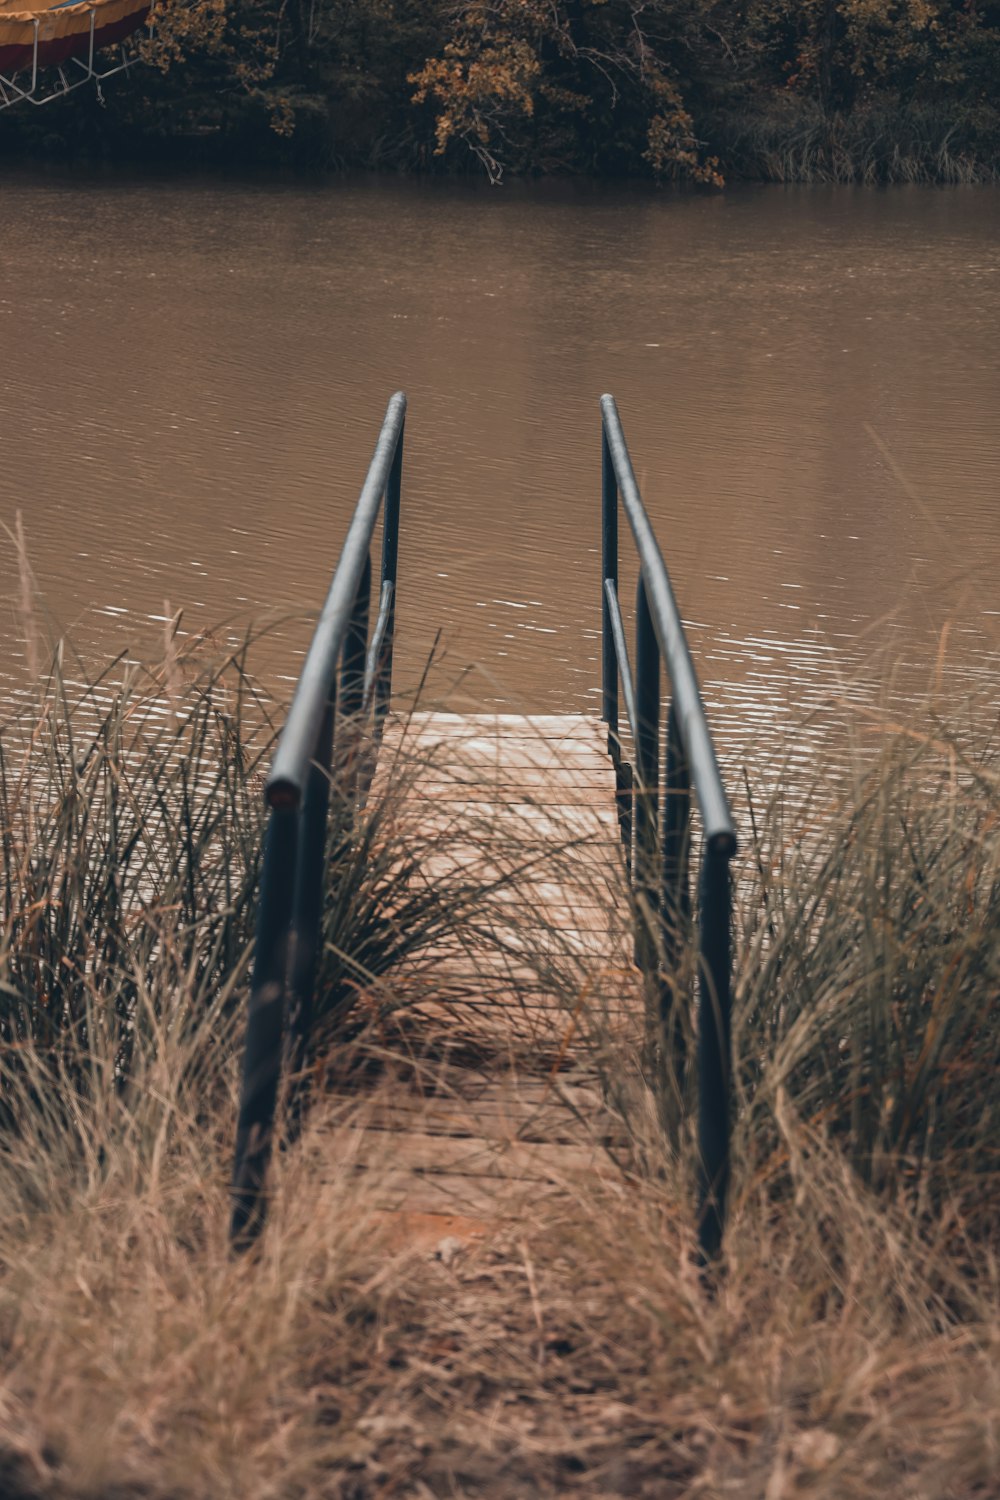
(659, 863)
(298, 795)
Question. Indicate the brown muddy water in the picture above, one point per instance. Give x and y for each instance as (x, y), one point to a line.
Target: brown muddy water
(193, 374)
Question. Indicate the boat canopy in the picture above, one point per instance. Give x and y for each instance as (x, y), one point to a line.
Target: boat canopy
(61, 36)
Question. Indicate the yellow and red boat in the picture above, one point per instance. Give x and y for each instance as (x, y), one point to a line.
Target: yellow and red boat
(48, 36)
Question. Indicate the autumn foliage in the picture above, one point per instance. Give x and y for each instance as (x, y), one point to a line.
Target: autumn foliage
(681, 90)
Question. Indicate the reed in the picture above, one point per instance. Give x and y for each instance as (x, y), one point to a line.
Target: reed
(26, 600)
(796, 142)
(870, 985)
(851, 1346)
(129, 851)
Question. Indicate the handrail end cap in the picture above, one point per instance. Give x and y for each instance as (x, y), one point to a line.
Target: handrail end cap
(283, 794)
(723, 844)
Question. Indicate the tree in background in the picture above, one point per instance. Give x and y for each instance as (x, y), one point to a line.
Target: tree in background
(842, 90)
(329, 77)
(587, 85)
(573, 84)
(848, 53)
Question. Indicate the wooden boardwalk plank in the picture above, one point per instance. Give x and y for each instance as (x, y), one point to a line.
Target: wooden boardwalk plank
(532, 783)
(526, 754)
(522, 1109)
(440, 726)
(393, 1151)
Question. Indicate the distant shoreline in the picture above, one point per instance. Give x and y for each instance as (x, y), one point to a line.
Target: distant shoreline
(791, 145)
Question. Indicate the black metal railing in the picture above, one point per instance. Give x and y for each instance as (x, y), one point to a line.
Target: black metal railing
(298, 788)
(657, 829)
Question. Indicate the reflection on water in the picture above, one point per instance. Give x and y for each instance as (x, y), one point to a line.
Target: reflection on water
(193, 375)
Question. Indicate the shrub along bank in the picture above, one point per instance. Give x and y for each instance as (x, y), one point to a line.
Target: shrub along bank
(700, 91)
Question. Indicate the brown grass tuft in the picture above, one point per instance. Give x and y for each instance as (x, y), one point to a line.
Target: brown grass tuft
(851, 1349)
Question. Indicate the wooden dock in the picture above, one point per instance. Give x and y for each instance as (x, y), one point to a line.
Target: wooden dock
(511, 1109)
(525, 804)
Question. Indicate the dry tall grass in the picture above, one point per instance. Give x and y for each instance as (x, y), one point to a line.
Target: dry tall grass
(852, 1348)
(880, 143)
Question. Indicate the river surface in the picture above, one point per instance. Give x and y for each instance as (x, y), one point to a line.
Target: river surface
(193, 376)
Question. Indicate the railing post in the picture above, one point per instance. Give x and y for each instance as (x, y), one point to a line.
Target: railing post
(265, 1024)
(646, 868)
(352, 688)
(352, 672)
(308, 910)
(676, 903)
(714, 1047)
(390, 550)
(609, 570)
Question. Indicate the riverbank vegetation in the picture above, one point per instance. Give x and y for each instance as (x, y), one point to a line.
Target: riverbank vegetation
(851, 1346)
(701, 91)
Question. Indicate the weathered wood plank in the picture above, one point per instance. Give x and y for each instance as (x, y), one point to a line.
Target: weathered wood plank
(393, 1152)
(489, 1200)
(507, 726)
(526, 1110)
(555, 755)
(535, 822)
